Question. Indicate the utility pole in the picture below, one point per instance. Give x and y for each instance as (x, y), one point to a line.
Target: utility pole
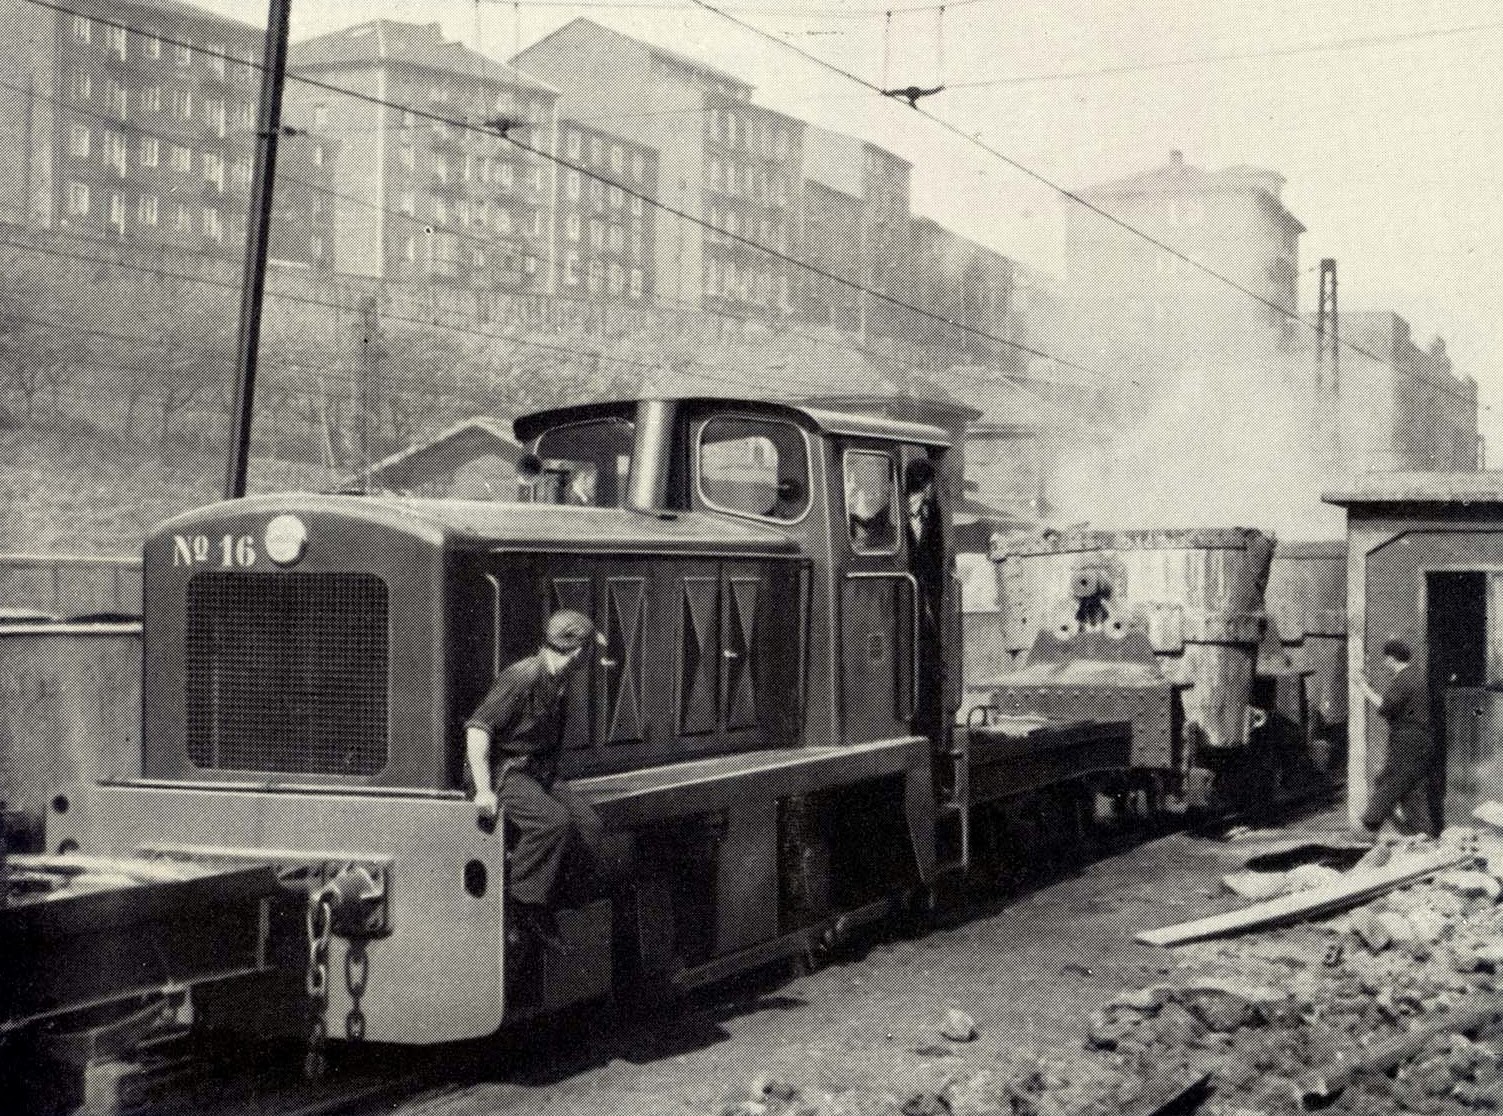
(1328, 352)
(258, 229)
(371, 353)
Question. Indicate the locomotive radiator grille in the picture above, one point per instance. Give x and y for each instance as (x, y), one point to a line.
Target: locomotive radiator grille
(287, 672)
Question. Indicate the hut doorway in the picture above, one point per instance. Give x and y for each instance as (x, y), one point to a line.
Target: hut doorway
(1464, 670)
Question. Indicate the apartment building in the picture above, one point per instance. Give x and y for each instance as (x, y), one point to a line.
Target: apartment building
(855, 228)
(427, 188)
(734, 168)
(136, 120)
(606, 223)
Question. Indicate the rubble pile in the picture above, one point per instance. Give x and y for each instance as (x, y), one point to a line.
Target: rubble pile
(1288, 1019)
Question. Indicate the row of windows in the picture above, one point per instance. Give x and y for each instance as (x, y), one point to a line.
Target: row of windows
(217, 116)
(486, 170)
(756, 136)
(486, 101)
(113, 153)
(604, 236)
(747, 283)
(600, 276)
(600, 193)
(79, 201)
(734, 224)
(753, 182)
(574, 148)
(479, 214)
(443, 258)
(113, 39)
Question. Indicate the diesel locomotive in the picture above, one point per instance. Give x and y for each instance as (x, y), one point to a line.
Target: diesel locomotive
(770, 730)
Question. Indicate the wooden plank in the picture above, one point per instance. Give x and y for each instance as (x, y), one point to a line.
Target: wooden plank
(1349, 891)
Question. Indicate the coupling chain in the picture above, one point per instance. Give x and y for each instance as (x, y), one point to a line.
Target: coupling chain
(357, 969)
(320, 922)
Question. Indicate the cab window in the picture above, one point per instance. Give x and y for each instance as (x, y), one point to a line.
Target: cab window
(585, 464)
(869, 502)
(756, 467)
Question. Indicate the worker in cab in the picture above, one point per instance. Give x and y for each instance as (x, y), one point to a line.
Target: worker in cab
(513, 743)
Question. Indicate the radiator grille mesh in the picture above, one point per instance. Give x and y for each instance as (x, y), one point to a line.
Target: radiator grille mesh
(287, 672)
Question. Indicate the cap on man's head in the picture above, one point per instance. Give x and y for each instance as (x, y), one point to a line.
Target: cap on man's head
(569, 630)
(920, 472)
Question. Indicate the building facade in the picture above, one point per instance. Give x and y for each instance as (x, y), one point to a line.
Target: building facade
(1407, 411)
(731, 166)
(134, 120)
(855, 226)
(606, 226)
(1232, 220)
(966, 292)
(431, 192)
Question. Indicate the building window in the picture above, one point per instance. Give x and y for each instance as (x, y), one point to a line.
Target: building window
(146, 210)
(318, 155)
(78, 142)
(182, 104)
(572, 144)
(618, 158)
(537, 179)
(571, 226)
(571, 185)
(82, 86)
(114, 41)
(441, 168)
(181, 159)
(440, 211)
(408, 118)
(596, 277)
(150, 151)
(316, 246)
(636, 206)
(184, 220)
(114, 150)
(78, 199)
(213, 226)
(409, 203)
(151, 98)
(183, 51)
(214, 171)
(506, 175)
(153, 45)
(240, 175)
(83, 29)
(409, 158)
(411, 249)
(636, 282)
(214, 58)
(571, 268)
(214, 115)
(117, 212)
(503, 220)
(482, 216)
(617, 197)
(616, 239)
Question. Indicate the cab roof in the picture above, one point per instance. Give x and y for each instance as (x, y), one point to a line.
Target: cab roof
(818, 419)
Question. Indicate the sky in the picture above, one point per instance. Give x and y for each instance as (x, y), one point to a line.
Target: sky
(1380, 115)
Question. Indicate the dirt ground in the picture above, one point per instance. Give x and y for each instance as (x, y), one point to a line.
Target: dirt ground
(863, 1034)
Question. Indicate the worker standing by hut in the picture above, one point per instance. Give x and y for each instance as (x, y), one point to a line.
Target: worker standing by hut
(1403, 782)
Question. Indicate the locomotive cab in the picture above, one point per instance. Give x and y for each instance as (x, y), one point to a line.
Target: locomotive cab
(757, 731)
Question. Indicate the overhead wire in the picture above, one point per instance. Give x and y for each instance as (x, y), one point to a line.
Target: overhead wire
(1073, 196)
(466, 125)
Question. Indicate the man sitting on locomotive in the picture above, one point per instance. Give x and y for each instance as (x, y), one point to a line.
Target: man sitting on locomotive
(521, 724)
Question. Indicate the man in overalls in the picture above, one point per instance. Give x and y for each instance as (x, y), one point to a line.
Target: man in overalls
(512, 742)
